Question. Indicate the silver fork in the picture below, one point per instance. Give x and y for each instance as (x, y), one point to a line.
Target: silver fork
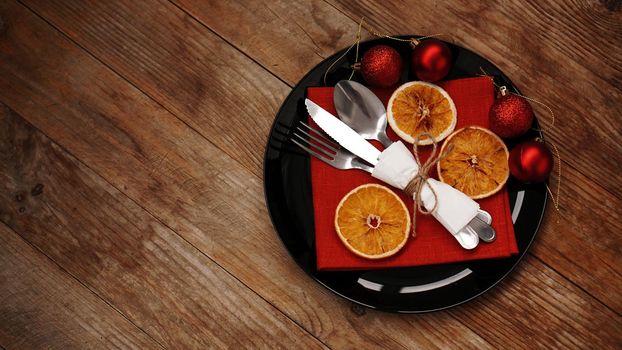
(327, 150)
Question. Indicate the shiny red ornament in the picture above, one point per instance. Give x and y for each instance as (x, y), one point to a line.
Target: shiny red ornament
(381, 66)
(531, 161)
(511, 115)
(431, 60)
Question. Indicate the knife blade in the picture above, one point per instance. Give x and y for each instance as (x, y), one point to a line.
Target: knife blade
(343, 134)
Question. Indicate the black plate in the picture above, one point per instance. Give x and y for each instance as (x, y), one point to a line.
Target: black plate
(287, 184)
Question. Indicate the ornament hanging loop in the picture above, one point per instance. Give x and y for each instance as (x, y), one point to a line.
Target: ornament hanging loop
(503, 90)
(414, 42)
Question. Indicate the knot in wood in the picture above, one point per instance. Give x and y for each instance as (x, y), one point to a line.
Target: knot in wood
(37, 190)
(19, 197)
(358, 310)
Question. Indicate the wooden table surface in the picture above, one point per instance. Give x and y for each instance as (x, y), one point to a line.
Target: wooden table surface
(131, 203)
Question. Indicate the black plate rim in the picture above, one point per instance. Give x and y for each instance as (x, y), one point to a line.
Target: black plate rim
(519, 257)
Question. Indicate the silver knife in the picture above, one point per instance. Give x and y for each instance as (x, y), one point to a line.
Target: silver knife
(342, 133)
(355, 143)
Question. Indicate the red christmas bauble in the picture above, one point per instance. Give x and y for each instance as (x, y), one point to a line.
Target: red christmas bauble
(381, 66)
(531, 161)
(431, 60)
(510, 116)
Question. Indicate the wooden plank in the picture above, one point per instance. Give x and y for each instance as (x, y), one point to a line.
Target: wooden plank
(599, 257)
(584, 241)
(42, 306)
(538, 308)
(160, 282)
(208, 198)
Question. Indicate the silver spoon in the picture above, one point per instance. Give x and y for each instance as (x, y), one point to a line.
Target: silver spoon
(481, 225)
(362, 110)
(467, 237)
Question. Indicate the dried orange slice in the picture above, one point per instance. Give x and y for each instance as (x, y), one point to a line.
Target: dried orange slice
(418, 107)
(372, 221)
(478, 163)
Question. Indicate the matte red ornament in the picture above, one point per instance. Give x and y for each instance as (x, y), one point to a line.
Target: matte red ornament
(381, 66)
(531, 161)
(431, 60)
(511, 115)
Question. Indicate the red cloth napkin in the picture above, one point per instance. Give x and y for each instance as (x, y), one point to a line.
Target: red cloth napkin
(433, 244)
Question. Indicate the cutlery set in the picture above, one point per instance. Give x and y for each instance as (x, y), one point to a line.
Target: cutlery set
(362, 117)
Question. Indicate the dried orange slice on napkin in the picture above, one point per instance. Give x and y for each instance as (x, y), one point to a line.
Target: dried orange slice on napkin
(372, 221)
(418, 107)
(478, 163)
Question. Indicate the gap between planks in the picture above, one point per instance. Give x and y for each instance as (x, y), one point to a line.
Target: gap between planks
(139, 204)
(63, 270)
(64, 150)
(198, 132)
(571, 282)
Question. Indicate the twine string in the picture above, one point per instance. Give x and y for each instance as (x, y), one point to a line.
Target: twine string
(415, 185)
(355, 44)
(500, 87)
(356, 65)
(554, 197)
(414, 41)
(559, 179)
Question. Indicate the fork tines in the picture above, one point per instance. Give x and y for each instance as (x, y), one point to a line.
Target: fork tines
(315, 143)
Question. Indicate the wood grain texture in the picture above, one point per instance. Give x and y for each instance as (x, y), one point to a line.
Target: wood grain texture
(206, 196)
(189, 184)
(537, 308)
(286, 37)
(600, 259)
(584, 240)
(157, 280)
(198, 77)
(55, 311)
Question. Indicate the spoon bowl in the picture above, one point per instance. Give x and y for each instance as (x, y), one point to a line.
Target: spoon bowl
(361, 110)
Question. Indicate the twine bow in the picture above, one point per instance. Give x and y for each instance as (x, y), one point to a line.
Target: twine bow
(415, 185)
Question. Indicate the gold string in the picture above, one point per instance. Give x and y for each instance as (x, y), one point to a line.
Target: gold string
(356, 55)
(559, 179)
(357, 42)
(337, 60)
(415, 185)
(554, 198)
(411, 40)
